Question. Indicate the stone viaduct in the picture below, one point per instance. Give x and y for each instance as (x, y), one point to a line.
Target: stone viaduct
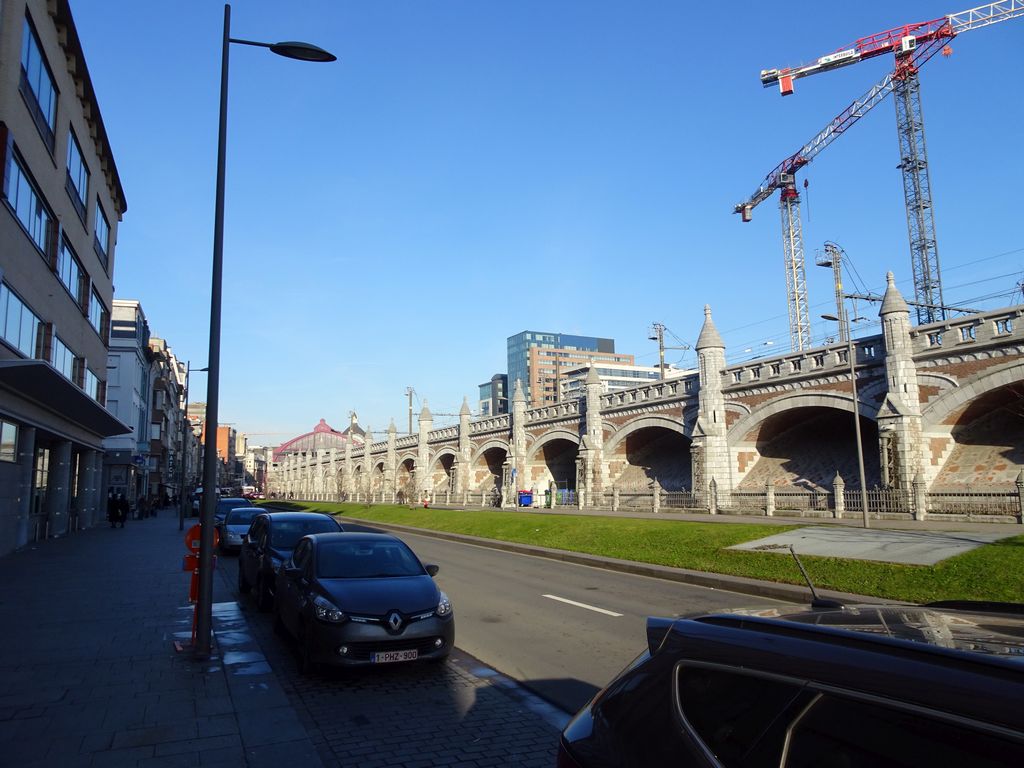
(941, 405)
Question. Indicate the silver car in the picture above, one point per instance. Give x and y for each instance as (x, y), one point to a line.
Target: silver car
(234, 526)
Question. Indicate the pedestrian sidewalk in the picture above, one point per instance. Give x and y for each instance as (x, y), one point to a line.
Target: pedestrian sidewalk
(89, 675)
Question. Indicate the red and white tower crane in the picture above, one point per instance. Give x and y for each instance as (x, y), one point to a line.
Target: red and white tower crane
(912, 45)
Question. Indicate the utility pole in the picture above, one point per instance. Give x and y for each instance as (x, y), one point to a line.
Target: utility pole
(658, 335)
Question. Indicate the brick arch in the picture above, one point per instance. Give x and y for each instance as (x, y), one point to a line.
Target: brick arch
(401, 458)
(443, 451)
(547, 437)
(684, 428)
(842, 402)
(479, 452)
(952, 402)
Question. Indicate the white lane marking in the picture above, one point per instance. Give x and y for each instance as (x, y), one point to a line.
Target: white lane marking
(581, 605)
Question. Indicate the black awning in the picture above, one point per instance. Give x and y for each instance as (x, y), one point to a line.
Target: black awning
(39, 381)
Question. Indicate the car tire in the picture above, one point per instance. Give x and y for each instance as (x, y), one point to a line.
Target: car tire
(244, 587)
(264, 600)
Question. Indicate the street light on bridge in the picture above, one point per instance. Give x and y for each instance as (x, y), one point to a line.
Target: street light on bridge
(204, 604)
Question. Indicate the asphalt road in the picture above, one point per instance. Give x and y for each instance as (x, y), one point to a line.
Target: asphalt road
(561, 629)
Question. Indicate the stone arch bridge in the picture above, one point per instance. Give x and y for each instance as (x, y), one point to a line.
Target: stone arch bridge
(941, 407)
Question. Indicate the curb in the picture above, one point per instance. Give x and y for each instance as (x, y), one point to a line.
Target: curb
(792, 593)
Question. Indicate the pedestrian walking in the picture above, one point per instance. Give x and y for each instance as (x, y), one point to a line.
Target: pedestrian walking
(123, 508)
(112, 508)
(143, 507)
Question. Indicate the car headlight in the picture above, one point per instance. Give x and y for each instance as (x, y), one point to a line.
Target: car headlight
(327, 611)
(444, 608)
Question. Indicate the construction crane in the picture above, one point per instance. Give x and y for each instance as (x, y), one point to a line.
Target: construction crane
(912, 45)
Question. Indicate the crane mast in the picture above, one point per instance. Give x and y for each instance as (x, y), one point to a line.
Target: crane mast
(912, 45)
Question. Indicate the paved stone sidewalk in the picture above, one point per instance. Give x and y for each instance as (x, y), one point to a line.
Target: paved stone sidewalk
(89, 676)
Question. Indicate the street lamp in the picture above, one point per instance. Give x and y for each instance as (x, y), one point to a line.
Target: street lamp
(844, 325)
(204, 603)
(184, 426)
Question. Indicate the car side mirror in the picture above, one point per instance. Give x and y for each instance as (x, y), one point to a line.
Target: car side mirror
(432, 569)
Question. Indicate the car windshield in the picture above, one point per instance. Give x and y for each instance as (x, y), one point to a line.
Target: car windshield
(285, 534)
(366, 560)
(241, 516)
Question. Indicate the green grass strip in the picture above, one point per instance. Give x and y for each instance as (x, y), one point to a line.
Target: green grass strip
(990, 572)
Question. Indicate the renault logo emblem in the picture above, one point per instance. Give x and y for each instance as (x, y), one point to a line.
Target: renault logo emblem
(394, 621)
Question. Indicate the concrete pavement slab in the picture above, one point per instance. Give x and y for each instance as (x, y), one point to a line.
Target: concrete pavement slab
(908, 547)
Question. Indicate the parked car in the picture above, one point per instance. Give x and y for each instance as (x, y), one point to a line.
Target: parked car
(268, 546)
(234, 526)
(360, 599)
(857, 686)
(226, 504)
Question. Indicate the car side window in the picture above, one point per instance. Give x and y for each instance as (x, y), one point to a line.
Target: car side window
(733, 712)
(300, 558)
(843, 732)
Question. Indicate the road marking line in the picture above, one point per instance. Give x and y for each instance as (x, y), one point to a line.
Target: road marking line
(581, 605)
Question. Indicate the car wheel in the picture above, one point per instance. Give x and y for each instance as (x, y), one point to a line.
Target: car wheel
(264, 600)
(244, 587)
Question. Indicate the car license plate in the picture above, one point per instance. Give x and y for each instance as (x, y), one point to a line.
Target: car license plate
(389, 656)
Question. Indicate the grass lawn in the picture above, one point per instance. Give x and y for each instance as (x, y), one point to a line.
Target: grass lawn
(991, 572)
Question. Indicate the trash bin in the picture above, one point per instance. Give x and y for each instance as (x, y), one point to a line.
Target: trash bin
(525, 498)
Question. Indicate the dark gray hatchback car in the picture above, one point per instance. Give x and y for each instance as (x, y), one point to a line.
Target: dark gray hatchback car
(860, 686)
(268, 546)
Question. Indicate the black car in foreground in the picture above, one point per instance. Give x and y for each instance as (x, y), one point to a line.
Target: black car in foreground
(361, 599)
(268, 545)
(860, 686)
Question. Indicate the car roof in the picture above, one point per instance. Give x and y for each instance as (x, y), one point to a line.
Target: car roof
(296, 515)
(327, 538)
(969, 630)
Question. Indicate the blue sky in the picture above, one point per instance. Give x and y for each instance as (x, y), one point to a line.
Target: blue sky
(468, 170)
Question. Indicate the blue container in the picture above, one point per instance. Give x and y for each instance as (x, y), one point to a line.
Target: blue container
(525, 498)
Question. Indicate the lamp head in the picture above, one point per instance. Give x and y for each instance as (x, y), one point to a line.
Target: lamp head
(833, 318)
(293, 49)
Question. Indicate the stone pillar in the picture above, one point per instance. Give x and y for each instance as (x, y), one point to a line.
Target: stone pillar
(80, 502)
(655, 497)
(839, 492)
(900, 413)
(710, 449)
(465, 451)
(769, 498)
(26, 465)
(1020, 496)
(391, 462)
(920, 507)
(615, 498)
(346, 471)
(597, 474)
(58, 488)
(713, 496)
(423, 483)
(367, 464)
(517, 456)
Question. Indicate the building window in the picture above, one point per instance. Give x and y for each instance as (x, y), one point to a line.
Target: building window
(8, 441)
(70, 271)
(63, 359)
(98, 315)
(967, 333)
(19, 325)
(776, 369)
(101, 243)
(78, 176)
(819, 361)
(91, 384)
(756, 373)
(796, 365)
(37, 87)
(29, 208)
(737, 376)
(1004, 326)
(935, 339)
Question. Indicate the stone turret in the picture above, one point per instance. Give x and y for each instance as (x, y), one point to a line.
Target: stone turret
(465, 450)
(517, 456)
(593, 468)
(423, 451)
(709, 452)
(367, 464)
(899, 417)
(346, 468)
(391, 462)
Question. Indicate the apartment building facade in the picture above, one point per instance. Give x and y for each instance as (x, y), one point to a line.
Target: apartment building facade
(61, 204)
(128, 398)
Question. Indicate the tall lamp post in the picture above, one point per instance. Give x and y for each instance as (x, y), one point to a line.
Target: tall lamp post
(844, 324)
(204, 604)
(186, 424)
